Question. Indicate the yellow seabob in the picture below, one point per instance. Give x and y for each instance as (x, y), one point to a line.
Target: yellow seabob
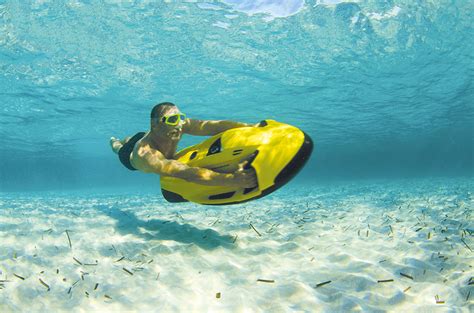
(278, 152)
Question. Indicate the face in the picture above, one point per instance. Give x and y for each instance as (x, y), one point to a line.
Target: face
(173, 132)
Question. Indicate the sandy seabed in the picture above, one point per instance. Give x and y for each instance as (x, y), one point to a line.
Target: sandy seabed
(370, 246)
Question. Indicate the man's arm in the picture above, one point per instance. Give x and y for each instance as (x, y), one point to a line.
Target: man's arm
(209, 128)
(154, 162)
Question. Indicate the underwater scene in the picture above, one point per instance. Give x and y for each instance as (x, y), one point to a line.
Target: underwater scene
(236, 156)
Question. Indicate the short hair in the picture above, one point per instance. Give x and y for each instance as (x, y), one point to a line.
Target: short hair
(158, 109)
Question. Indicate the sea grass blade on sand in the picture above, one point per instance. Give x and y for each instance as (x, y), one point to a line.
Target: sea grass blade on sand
(466, 245)
(91, 264)
(323, 283)
(438, 301)
(69, 239)
(44, 284)
(127, 271)
(18, 276)
(255, 230)
(406, 275)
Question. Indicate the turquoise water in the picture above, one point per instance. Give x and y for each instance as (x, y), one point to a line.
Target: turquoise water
(384, 88)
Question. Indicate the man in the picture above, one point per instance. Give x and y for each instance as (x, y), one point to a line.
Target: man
(154, 151)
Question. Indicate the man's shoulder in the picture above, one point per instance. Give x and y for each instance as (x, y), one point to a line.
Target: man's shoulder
(141, 155)
(143, 148)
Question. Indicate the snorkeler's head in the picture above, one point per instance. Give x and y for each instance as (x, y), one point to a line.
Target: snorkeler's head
(166, 119)
(158, 110)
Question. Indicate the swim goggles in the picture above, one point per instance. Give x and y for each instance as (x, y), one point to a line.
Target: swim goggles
(174, 119)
